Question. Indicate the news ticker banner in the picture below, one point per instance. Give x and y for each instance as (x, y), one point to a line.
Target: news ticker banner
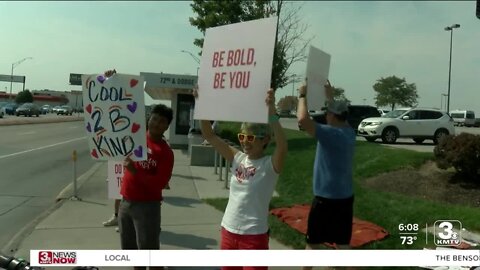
(412, 258)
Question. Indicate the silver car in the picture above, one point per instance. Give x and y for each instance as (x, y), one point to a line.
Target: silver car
(418, 124)
(65, 110)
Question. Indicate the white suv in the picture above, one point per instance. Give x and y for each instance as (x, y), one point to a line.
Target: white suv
(416, 123)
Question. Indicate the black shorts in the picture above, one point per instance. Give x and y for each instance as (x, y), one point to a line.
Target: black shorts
(330, 220)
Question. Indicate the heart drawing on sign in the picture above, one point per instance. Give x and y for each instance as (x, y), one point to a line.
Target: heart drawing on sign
(135, 127)
(132, 107)
(94, 153)
(89, 108)
(89, 128)
(101, 78)
(138, 152)
(133, 82)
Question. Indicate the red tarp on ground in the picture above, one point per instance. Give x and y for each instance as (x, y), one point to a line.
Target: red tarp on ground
(363, 231)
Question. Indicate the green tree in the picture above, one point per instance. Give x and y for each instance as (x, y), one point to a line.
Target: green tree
(287, 103)
(339, 94)
(290, 44)
(392, 91)
(24, 97)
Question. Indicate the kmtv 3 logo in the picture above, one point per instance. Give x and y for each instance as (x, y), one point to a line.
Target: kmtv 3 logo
(447, 232)
(51, 257)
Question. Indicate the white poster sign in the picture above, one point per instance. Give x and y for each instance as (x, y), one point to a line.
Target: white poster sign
(114, 179)
(115, 116)
(235, 71)
(318, 66)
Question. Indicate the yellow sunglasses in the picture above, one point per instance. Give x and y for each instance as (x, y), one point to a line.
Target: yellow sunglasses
(242, 137)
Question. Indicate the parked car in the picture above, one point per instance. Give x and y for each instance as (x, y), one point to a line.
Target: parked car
(28, 109)
(46, 109)
(65, 110)
(463, 118)
(55, 109)
(383, 111)
(2, 109)
(417, 123)
(477, 122)
(356, 113)
(10, 108)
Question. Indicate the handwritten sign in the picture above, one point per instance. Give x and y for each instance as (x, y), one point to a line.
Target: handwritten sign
(235, 71)
(114, 178)
(115, 116)
(318, 66)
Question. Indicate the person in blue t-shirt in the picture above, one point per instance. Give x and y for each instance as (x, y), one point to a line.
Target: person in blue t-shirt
(331, 215)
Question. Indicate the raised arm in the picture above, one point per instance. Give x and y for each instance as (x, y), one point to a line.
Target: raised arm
(303, 116)
(281, 147)
(302, 109)
(218, 143)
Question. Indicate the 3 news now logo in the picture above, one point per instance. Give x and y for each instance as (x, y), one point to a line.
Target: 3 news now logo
(61, 257)
(447, 232)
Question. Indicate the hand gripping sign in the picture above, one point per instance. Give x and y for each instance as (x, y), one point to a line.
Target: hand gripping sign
(235, 71)
(115, 116)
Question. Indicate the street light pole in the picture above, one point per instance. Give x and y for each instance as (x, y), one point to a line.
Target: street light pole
(450, 28)
(194, 58)
(293, 84)
(15, 64)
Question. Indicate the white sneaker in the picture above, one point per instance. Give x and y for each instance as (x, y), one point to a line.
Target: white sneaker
(113, 221)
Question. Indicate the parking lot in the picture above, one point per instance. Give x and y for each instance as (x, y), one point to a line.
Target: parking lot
(427, 146)
(43, 118)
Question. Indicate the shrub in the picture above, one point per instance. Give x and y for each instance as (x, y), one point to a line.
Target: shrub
(461, 152)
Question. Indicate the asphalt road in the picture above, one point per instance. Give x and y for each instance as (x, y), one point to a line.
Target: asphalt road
(35, 165)
(427, 146)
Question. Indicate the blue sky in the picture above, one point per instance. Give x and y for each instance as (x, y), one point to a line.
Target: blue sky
(367, 40)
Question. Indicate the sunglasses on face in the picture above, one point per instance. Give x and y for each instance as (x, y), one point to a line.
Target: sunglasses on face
(247, 137)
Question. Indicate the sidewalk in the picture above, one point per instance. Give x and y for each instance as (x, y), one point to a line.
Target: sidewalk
(187, 222)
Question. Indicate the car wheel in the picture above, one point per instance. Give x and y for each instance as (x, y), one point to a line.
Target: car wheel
(370, 139)
(419, 141)
(439, 134)
(389, 135)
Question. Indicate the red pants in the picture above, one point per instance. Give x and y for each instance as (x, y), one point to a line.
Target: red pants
(248, 241)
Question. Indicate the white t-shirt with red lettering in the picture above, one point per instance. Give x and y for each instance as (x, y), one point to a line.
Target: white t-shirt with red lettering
(251, 188)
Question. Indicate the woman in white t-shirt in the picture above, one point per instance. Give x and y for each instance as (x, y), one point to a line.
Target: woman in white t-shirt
(253, 180)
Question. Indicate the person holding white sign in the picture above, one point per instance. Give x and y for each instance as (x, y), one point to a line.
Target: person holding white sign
(253, 180)
(331, 215)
